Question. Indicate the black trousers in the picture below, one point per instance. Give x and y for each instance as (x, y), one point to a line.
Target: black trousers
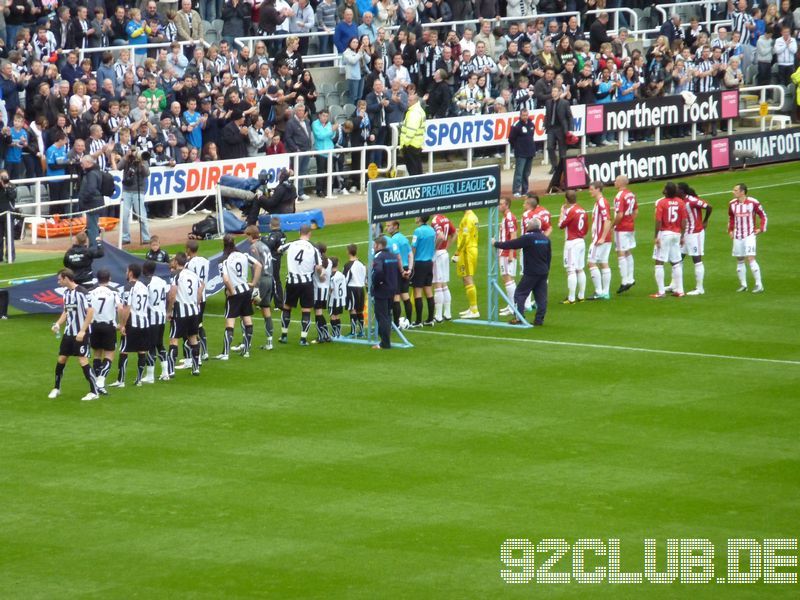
(538, 285)
(383, 313)
(413, 160)
(556, 135)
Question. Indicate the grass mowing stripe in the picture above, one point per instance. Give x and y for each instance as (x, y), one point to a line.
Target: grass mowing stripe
(473, 336)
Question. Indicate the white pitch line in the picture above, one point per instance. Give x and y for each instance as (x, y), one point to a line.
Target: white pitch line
(610, 347)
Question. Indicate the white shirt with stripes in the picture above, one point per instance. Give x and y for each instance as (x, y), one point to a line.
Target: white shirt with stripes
(235, 269)
(137, 298)
(157, 290)
(104, 301)
(742, 217)
(76, 304)
(187, 283)
(322, 282)
(97, 146)
(338, 290)
(739, 22)
(199, 266)
(356, 274)
(302, 258)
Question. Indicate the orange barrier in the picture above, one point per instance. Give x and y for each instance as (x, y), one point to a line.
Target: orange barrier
(58, 227)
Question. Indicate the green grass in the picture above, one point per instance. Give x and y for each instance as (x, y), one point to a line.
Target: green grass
(338, 472)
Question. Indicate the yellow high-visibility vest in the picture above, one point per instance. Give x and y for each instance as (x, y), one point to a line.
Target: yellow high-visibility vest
(412, 132)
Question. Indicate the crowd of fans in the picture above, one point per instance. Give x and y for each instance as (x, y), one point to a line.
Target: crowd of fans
(197, 102)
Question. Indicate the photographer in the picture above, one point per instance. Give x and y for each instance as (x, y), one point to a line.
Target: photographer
(8, 198)
(90, 195)
(135, 172)
(280, 200)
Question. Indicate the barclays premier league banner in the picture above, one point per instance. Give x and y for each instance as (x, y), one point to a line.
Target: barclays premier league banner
(479, 131)
(661, 112)
(45, 296)
(685, 158)
(198, 179)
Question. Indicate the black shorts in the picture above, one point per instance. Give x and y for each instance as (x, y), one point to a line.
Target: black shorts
(136, 339)
(104, 337)
(266, 289)
(240, 305)
(302, 292)
(183, 327)
(336, 310)
(72, 347)
(202, 312)
(320, 304)
(403, 286)
(355, 299)
(157, 336)
(423, 274)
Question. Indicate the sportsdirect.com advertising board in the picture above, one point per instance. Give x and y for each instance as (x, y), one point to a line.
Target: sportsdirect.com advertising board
(685, 158)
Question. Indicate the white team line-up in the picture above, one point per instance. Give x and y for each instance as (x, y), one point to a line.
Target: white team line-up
(754, 187)
(777, 361)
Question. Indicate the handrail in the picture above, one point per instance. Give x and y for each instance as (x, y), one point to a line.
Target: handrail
(132, 47)
(634, 27)
(674, 6)
(779, 97)
(333, 56)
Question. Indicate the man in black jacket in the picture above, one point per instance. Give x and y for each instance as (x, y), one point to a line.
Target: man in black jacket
(536, 255)
(233, 142)
(80, 256)
(557, 122)
(385, 278)
(90, 196)
(279, 201)
(273, 241)
(521, 140)
(8, 198)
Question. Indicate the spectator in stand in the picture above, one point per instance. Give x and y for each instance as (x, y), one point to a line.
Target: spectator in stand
(764, 55)
(672, 28)
(346, 30)
(325, 20)
(233, 139)
(598, 33)
(189, 26)
(235, 19)
(785, 49)
(439, 98)
(302, 21)
(353, 60)
(137, 31)
(323, 140)
(299, 138)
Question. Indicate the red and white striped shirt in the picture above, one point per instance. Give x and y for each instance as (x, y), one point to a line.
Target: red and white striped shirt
(741, 218)
(694, 213)
(625, 204)
(509, 229)
(539, 212)
(444, 226)
(573, 219)
(670, 214)
(601, 214)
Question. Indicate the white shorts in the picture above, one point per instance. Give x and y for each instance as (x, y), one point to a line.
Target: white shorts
(694, 243)
(441, 267)
(574, 254)
(745, 247)
(598, 254)
(670, 248)
(508, 266)
(624, 240)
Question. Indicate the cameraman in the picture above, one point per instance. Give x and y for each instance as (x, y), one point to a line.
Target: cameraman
(90, 195)
(280, 201)
(135, 172)
(8, 198)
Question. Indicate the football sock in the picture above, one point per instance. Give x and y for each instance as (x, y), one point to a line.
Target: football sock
(172, 357)
(248, 337)
(320, 321)
(305, 321)
(741, 271)
(756, 271)
(631, 278)
(699, 274)
(59, 375)
(418, 306)
(195, 350)
(623, 269)
(408, 308)
(87, 373)
(353, 323)
(226, 341)
(162, 356)
(286, 318)
(472, 296)
(360, 322)
(336, 327)
(581, 284)
(396, 312)
(660, 278)
(572, 283)
(141, 363)
(106, 368)
(151, 358)
(446, 303)
(605, 275)
(96, 366)
(431, 308)
(203, 344)
(438, 300)
(677, 277)
(268, 327)
(594, 273)
(122, 367)
(187, 352)
(511, 288)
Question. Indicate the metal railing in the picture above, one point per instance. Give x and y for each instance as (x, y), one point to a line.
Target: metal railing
(331, 57)
(133, 47)
(633, 20)
(706, 20)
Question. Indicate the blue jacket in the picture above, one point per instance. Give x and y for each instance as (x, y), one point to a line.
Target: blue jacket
(521, 139)
(343, 34)
(323, 135)
(385, 275)
(536, 252)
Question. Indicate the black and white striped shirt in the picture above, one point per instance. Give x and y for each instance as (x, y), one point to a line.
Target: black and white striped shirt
(158, 290)
(136, 297)
(705, 84)
(44, 51)
(242, 83)
(120, 68)
(235, 269)
(356, 274)
(97, 146)
(739, 22)
(104, 301)
(524, 100)
(322, 282)
(338, 290)
(199, 266)
(76, 305)
(186, 284)
(302, 258)
(117, 123)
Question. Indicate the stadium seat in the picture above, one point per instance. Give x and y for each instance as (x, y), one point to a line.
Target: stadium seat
(782, 121)
(217, 25)
(341, 86)
(344, 98)
(750, 74)
(332, 98)
(348, 109)
(293, 222)
(335, 110)
(326, 88)
(212, 36)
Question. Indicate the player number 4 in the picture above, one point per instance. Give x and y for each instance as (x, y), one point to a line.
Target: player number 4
(299, 257)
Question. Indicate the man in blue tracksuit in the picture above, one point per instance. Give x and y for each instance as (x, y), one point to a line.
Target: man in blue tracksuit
(423, 244)
(536, 255)
(385, 276)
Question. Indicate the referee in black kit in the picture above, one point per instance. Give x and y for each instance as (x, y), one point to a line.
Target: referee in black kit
(536, 255)
(385, 278)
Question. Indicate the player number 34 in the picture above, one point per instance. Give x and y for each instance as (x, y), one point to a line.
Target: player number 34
(684, 560)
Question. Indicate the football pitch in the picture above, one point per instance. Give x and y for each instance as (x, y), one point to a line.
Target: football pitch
(335, 471)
